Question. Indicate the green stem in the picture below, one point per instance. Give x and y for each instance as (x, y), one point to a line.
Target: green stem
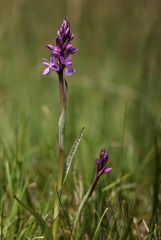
(83, 202)
(61, 126)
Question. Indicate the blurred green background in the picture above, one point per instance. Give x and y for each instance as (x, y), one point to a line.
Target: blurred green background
(115, 94)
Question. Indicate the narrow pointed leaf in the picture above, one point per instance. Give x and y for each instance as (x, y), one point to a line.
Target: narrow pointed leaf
(113, 184)
(99, 224)
(72, 153)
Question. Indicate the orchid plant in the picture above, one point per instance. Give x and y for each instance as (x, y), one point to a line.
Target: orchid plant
(61, 62)
(102, 168)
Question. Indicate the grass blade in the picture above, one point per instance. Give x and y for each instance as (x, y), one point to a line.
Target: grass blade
(9, 177)
(113, 184)
(99, 224)
(44, 227)
(2, 218)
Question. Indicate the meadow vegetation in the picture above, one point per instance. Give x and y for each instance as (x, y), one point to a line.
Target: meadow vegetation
(115, 94)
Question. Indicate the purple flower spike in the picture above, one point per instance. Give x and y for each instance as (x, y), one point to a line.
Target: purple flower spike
(62, 52)
(101, 163)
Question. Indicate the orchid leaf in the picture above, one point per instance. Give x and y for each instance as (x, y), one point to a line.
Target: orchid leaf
(72, 153)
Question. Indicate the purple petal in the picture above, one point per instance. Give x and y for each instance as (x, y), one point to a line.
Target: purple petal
(56, 52)
(45, 63)
(50, 47)
(72, 36)
(62, 60)
(97, 161)
(58, 41)
(69, 70)
(68, 46)
(46, 71)
(107, 170)
(58, 33)
(65, 23)
(68, 61)
(55, 68)
(67, 31)
(52, 60)
(73, 50)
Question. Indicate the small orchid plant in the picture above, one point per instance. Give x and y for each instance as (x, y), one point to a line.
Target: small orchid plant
(61, 62)
(102, 168)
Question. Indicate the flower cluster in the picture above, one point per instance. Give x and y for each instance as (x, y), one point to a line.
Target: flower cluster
(101, 163)
(61, 53)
